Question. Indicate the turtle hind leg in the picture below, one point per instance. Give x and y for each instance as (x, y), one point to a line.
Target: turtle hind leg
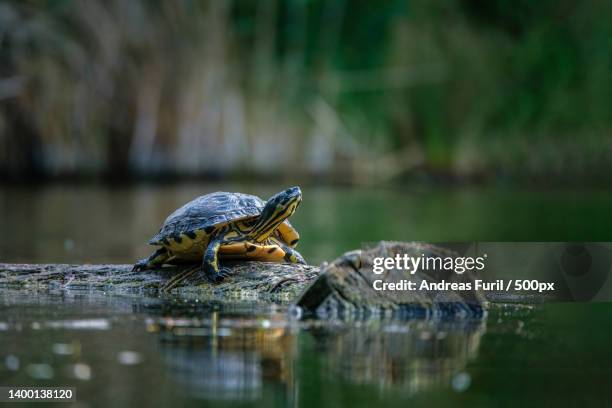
(157, 258)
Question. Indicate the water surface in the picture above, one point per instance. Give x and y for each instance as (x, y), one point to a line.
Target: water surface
(76, 224)
(121, 351)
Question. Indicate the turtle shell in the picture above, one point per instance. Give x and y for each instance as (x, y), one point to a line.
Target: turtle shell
(208, 211)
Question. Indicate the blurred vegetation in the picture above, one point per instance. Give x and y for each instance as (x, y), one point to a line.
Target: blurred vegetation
(359, 90)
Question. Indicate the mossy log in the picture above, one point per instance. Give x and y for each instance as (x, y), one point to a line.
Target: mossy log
(247, 281)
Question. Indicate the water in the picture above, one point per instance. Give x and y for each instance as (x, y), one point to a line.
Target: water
(125, 350)
(94, 224)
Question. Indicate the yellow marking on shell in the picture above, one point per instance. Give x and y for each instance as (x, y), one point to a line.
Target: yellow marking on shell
(189, 249)
(231, 234)
(244, 226)
(233, 249)
(184, 245)
(252, 251)
(202, 236)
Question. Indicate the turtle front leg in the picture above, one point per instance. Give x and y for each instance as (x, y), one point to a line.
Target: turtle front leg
(291, 255)
(210, 263)
(157, 258)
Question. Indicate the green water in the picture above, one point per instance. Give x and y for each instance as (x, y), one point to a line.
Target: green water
(93, 224)
(125, 350)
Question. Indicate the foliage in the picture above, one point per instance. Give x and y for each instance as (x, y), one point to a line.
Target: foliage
(359, 89)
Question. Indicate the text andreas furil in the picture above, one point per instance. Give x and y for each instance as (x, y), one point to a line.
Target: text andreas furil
(458, 265)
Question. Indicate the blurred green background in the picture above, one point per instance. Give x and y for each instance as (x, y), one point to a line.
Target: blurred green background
(357, 91)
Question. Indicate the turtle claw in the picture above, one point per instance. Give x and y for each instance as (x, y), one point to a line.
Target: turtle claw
(140, 266)
(219, 276)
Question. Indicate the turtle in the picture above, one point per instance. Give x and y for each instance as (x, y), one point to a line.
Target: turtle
(225, 225)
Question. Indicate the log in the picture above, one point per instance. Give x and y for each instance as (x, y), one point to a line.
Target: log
(252, 281)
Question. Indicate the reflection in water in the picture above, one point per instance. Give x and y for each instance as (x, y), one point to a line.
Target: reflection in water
(218, 358)
(228, 359)
(412, 356)
(222, 375)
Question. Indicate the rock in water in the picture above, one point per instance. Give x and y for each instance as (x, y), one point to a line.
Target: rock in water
(347, 285)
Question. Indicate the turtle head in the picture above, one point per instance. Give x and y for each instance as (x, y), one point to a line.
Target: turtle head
(278, 208)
